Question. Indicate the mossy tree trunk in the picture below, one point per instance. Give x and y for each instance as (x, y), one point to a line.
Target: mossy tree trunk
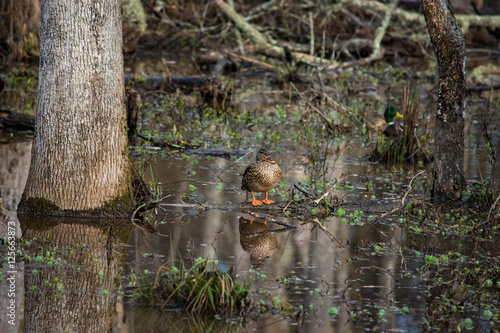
(449, 46)
(80, 162)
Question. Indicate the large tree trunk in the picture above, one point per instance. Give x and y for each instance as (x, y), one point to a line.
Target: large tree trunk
(80, 162)
(449, 46)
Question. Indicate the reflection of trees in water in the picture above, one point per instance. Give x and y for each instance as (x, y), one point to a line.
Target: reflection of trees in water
(14, 165)
(151, 319)
(69, 292)
(348, 269)
(460, 279)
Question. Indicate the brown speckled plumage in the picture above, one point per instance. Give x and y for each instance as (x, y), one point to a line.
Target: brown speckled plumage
(256, 240)
(261, 176)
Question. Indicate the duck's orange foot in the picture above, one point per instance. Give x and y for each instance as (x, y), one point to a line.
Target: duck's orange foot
(256, 202)
(267, 201)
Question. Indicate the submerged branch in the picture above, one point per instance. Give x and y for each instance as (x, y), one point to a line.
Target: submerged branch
(327, 232)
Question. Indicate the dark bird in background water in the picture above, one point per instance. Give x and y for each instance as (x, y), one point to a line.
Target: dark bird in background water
(256, 238)
(261, 176)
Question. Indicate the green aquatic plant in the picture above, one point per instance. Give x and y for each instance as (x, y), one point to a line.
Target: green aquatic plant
(333, 311)
(198, 285)
(406, 144)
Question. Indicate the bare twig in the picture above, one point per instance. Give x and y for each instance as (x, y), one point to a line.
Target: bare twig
(254, 61)
(409, 188)
(231, 165)
(311, 29)
(493, 207)
(297, 186)
(327, 232)
(327, 192)
(399, 207)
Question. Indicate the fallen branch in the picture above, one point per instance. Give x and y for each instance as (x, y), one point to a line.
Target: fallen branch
(254, 61)
(377, 51)
(261, 41)
(274, 48)
(302, 208)
(14, 121)
(327, 192)
(402, 205)
(249, 30)
(187, 84)
(465, 20)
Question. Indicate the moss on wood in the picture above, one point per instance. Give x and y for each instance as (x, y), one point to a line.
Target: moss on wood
(119, 207)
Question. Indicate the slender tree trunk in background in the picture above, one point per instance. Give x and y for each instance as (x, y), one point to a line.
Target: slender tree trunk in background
(494, 185)
(80, 162)
(449, 46)
(20, 28)
(3, 216)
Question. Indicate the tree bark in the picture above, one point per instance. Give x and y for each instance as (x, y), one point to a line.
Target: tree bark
(449, 46)
(80, 162)
(494, 185)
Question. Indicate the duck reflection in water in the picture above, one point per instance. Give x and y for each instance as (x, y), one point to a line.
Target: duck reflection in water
(257, 239)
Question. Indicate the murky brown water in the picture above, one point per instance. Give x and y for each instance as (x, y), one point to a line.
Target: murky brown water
(370, 270)
(352, 273)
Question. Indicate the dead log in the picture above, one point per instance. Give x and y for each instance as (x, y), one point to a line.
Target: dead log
(209, 87)
(299, 208)
(172, 83)
(14, 121)
(481, 88)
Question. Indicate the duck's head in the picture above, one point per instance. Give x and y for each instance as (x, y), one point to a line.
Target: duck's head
(263, 155)
(390, 113)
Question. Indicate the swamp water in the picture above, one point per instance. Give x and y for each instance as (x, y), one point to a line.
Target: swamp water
(367, 277)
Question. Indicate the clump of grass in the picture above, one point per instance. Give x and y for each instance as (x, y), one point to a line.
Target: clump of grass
(201, 288)
(409, 147)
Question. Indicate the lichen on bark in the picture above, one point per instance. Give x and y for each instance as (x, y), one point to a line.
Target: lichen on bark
(449, 47)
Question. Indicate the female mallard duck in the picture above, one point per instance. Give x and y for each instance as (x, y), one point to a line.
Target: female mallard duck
(261, 176)
(392, 129)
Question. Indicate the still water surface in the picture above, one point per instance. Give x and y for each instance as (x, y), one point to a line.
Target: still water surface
(369, 270)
